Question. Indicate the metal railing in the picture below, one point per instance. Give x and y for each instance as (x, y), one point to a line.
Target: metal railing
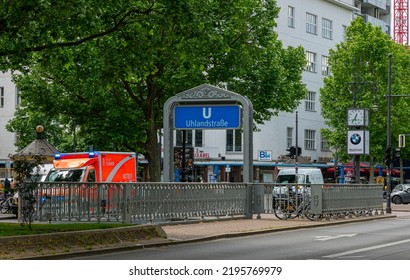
(141, 202)
(320, 201)
(166, 202)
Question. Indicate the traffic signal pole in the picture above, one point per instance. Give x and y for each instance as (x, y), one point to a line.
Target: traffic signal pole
(388, 143)
(296, 149)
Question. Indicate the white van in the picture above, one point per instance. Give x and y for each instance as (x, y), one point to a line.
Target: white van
(305, 176)
(39, 173)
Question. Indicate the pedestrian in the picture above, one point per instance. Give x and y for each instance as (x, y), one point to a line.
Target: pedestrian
(7, 187)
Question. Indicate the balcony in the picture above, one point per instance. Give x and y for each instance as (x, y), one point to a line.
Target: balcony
(382, 4)
(377, 22)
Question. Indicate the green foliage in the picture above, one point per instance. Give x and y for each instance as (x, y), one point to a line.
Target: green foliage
(365, 52)
(13, 229)
(114, 86)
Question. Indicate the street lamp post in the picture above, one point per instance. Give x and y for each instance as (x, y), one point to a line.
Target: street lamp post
(355, 83)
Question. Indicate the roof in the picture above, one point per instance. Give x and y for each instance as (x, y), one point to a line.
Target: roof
(38, 147)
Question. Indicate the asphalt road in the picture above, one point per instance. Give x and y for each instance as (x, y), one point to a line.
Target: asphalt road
(387, 239)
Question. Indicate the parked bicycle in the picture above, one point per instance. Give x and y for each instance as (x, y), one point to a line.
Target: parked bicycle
(290, 202)
(9, 205)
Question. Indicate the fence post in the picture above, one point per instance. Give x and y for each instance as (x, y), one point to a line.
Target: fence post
(127, 204)
(316, 206)
(259, 199)
(249, 200)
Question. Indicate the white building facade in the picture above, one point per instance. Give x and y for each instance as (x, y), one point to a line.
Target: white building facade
(9, 98)
(317, 25)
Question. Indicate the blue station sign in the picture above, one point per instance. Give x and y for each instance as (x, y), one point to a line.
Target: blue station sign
(207, 117)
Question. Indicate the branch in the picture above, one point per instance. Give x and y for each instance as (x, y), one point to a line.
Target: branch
(117, 25)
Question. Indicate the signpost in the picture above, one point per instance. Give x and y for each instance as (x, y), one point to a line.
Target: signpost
(207, 117)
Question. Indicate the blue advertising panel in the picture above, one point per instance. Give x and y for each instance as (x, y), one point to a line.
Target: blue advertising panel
(207, 117)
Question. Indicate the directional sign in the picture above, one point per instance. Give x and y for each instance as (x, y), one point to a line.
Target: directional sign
(207, 117)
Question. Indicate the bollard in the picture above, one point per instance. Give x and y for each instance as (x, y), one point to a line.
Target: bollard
(49, 217)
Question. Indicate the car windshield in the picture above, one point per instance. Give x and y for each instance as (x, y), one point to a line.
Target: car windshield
(401, 187)
(406, 187)
(290, 179)
(71, 175)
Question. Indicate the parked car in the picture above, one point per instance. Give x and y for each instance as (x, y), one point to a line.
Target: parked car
(401, 194)
(394, 183)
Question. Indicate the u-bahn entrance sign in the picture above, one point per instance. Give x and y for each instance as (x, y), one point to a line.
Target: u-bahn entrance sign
(208, 107)
(207, 117)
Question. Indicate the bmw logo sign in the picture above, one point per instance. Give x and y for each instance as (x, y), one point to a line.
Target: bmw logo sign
(355, 139)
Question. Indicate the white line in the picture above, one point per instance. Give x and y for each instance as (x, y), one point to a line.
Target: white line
(367, 249)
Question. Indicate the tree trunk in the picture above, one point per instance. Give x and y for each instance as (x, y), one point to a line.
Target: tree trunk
(153, 155)
(371, 171)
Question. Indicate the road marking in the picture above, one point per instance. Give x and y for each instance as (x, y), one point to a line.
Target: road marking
(328, 237)
(367, 249)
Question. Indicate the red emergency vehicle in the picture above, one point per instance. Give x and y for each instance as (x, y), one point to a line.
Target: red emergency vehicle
(89, 167)
(94, 167)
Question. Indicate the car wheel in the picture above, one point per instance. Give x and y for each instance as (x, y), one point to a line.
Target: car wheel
(397, 200)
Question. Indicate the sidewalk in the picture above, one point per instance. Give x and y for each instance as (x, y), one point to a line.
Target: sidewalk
(267, 223)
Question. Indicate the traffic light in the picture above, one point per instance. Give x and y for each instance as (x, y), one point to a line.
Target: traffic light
(337, 171)
(292, 151)
(396, 153)
(299, 151)
(402, 140)
(387, 156)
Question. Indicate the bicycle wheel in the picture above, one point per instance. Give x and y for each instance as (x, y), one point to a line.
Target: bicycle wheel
(4, 207)
(283, 209)
(310, 216)
(313, 217)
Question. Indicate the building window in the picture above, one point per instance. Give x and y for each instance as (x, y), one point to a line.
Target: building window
(310, 139)
(344, 29)
(289, 139)
(191, 135)
(324, 146)
(310, 62)
(291, 16)
(233, 140)
(310, 101)
(198, 138)
(327, 28)
(311, 23)
(179, 138)
(325, 66)
(1, 97)
(18, 97)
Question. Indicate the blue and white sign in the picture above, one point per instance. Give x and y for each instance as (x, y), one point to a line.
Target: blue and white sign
(264, 155)
(358, 142)
(207, 117)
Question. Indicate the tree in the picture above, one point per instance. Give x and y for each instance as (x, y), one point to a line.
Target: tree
(26, 172)
(114, 87)
(365, 52)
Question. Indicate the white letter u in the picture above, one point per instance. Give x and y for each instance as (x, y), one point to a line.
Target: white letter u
(206, 115)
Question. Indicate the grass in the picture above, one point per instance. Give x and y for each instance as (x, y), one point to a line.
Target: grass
(13, 229)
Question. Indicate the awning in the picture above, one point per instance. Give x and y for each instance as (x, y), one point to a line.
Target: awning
(257, 163)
